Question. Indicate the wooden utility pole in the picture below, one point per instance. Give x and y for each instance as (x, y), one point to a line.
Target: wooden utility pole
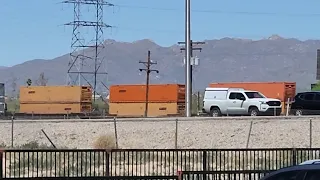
(148, 71)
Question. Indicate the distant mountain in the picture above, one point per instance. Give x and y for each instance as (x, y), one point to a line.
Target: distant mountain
(221, 60)
(2, 67)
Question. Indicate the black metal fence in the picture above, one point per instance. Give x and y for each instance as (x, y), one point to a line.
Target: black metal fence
(152, 162)
(223, 175)
(100, 178)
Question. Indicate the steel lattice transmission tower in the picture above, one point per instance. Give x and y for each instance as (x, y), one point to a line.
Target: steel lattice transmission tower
(85, 59)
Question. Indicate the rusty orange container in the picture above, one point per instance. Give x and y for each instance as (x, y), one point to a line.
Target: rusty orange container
(138, 109)
(63, 108)
(55, 94)
(157, 93)
(277, 90)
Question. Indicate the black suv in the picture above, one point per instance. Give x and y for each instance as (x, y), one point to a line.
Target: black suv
(306, 103)
(300, 172)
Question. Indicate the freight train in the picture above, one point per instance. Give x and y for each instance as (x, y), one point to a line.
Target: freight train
(163, 100)
(49, 102)
(52, 102)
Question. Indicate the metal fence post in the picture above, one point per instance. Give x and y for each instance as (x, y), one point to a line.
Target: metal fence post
(204, 164)
(108, 162)
(310, 134)
(176, 136)
(1, 164)
(294, 156)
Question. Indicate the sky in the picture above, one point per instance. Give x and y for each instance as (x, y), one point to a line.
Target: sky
(34, 29)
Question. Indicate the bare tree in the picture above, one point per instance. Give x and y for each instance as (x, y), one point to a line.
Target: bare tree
(42, 80)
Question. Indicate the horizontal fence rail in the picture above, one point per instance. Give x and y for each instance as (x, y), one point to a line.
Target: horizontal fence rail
(141, 162)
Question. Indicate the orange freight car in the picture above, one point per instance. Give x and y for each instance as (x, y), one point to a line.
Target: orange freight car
(157, 93)
(277, 90)
(55, 94)
(138, 109)
(56, 108)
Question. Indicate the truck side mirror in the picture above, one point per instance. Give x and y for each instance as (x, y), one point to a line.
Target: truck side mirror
(242, 98)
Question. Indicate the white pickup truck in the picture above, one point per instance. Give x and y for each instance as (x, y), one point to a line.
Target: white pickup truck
(237, 101)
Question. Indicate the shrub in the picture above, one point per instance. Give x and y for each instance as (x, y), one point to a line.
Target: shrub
(105, 142)
(2, 145)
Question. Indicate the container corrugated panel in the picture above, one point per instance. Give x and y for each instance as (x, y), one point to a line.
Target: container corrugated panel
(86, 94)
(55, 108)
(55, 94)
(290, 91)
(2, 99)
(277, 90)
(2, 89)
(181, 108)
(2, 108)
(157, 93)
(138, 109)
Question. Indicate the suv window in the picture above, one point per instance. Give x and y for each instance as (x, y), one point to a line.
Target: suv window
(292, 175)
(309, 96)
(317, 98)
(300, 96)
(232, 95)
(240, 95)
(236, 96)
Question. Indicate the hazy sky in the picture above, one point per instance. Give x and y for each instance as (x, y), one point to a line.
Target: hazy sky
(33, 29)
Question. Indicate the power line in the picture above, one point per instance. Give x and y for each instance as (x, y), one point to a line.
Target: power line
(221, 12)
(179, 32)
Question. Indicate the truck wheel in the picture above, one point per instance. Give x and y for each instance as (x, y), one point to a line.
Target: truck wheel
(215, 112)
(298, 112)
(253, 111)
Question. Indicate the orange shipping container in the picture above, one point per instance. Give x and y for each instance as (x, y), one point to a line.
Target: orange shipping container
(138, 109)
(157, 93)
(277, 90)
(55, 94)
(55, 108)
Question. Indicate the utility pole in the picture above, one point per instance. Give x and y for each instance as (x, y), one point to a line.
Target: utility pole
(148, 71)
(192, 63)
(187, 57)
(191, 52)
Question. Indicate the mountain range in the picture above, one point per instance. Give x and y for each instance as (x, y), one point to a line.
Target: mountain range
(221, 60)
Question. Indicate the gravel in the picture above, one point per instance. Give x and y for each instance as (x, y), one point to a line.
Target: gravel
(195, 133)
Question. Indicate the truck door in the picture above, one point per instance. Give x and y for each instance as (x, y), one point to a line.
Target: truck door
(235, 104)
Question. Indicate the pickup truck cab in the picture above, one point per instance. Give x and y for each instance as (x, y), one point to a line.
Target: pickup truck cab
(237, 101)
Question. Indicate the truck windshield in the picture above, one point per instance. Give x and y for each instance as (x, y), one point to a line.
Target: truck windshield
(252, 95)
